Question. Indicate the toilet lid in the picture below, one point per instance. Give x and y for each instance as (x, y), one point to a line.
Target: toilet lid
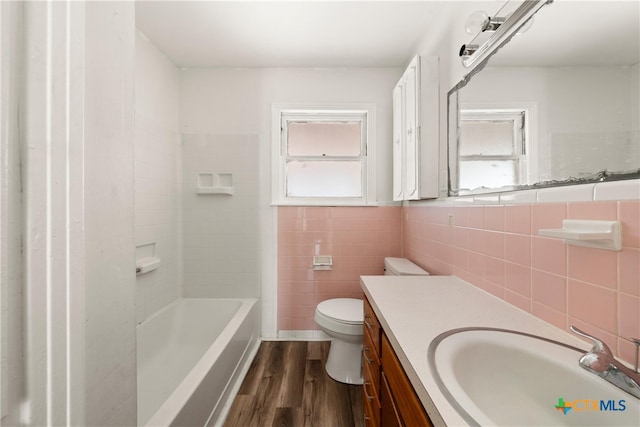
(346, 310)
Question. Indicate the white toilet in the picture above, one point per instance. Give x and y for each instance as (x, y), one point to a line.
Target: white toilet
(342, 318)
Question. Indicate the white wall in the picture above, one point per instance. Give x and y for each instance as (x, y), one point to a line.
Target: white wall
(238, 102)
(583, 110)
(157, 176)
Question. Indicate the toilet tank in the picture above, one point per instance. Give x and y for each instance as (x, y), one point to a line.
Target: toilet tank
(402, 267)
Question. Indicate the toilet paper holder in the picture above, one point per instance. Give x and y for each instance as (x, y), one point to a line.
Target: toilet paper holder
(322, 262)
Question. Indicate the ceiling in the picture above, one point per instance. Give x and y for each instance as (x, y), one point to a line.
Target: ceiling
(356, 33)
(578, 33)
(287, 33)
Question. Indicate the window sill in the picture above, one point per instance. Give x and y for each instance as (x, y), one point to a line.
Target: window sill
(324, 203)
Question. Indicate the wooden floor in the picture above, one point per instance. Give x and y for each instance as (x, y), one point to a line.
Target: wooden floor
(287, 386)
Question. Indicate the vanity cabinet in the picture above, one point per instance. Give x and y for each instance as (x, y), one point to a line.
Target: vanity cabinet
(388, 396)
(415, 131)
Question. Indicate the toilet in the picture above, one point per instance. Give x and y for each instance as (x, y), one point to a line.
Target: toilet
(342, 318)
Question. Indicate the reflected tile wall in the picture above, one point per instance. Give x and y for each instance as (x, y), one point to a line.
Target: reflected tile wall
(497, 248)
(358, 239)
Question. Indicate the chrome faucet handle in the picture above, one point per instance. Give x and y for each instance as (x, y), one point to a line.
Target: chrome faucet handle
(598, 345)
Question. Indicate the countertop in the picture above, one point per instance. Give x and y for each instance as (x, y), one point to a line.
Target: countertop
(413, 310)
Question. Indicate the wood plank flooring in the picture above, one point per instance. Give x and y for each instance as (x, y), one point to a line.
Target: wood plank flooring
(287, 386)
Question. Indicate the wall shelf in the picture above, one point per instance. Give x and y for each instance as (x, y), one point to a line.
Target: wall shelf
(215, 190)
(589, 233)
(215, 183)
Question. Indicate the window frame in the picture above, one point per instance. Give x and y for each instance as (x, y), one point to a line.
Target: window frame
(526, 157)
(321, 112)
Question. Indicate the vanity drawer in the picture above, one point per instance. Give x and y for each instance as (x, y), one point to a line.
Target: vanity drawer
(371, 399)
(370, 360)
(370, 417)
(372, 325)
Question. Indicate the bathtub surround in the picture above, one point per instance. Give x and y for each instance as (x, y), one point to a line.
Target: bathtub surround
(358, 238)
(221, 232)
(158, 154)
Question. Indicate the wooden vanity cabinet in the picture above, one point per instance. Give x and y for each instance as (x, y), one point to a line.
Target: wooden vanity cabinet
(371, 367)
(389, 397)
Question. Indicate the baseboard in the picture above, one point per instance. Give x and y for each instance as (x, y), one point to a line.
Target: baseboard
(301, 335)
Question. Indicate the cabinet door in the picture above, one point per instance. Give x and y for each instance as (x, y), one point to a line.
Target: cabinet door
(398, 133)
(389, 416)
(411, 128)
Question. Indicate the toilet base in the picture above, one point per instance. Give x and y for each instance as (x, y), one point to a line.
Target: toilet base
(344, 363)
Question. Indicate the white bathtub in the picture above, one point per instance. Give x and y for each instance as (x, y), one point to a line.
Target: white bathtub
(190, 357)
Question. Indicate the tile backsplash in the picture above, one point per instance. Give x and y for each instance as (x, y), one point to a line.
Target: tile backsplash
(357, 238)
(498, 249)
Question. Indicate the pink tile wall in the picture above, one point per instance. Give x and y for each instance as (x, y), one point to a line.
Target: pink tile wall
(497, 248)
(358, 239)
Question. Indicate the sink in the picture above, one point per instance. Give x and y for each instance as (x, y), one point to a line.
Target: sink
(502, 377)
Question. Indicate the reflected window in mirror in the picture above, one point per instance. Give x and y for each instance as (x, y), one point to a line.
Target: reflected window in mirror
(492, 150)
(578, 68)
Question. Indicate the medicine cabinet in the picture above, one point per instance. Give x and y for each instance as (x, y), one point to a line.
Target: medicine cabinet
(415, 131)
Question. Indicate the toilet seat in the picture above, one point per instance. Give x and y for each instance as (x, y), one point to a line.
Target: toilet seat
(344, 310)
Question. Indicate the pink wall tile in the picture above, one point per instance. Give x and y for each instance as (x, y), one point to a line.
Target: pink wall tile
(518, 219)
(629, 212)
(358, 239)
(494, 218)
(518, 279)
(518, 249)
(629, 261)
(495, 271)
(537, 270)
(593, 304)
(547, 216)
(597, 266)
(593, 210)
(461, 216)
(461, 237)
(549, 255)
(476, 216)
(629, 313)
(476, 240)
(549, 289)
(494, 244)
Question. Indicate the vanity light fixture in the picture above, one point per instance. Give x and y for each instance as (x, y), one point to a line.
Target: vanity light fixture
(479, 21)
(501, 29)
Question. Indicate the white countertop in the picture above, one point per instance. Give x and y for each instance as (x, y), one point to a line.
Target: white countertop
(413, 310)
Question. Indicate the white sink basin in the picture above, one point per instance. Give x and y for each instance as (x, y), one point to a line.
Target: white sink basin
(498, 377)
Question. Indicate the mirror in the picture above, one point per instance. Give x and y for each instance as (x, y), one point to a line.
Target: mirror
(557, 105)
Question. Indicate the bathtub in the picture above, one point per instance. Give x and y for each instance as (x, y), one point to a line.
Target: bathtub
(191, 355)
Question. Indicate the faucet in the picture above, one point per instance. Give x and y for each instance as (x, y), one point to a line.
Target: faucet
(600, 361)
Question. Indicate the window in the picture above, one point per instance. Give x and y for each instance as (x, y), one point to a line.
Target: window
(492, 148)
(323, 156)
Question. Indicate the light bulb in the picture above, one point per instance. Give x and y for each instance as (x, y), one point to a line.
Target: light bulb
(476, 22)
